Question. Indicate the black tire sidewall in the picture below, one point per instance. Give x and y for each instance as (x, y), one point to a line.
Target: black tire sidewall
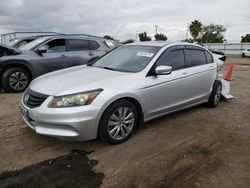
(103, 125)
(211, 101)
(6, 75)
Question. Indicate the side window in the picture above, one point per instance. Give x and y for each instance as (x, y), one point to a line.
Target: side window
(196, 57)
(78, 45)
(93, 45)
(175, 59)
(57, 45)
(209, 57)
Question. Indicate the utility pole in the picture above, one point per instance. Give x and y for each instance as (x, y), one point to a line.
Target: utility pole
(187, 32)
(156, 27)
(136, 36)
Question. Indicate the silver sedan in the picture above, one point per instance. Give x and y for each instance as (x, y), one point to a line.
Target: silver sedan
(110, 97)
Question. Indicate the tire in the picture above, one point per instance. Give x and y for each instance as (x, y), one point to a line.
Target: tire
(114, 128)
(243, 55)
(15, 80)
(215, 95)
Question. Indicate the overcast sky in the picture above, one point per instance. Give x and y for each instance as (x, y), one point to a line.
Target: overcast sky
(123, 18)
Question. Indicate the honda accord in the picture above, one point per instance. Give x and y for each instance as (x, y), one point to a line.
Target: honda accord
(110, 97)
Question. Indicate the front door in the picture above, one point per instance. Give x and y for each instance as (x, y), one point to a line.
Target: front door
(55, 57)
(166, 93)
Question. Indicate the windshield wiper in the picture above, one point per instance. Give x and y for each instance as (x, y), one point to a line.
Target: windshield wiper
(109, 68)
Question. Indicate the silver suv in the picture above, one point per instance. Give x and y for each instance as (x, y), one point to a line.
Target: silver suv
(130, 85)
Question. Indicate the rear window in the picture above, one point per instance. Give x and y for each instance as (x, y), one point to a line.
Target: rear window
(196, 57)
(78, 45)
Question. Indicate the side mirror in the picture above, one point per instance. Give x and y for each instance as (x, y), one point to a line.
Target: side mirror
(163, 70)
(42, 49)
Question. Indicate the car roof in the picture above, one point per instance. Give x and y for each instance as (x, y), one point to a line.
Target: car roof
(70, 37)
(150, 43)
(163, 43)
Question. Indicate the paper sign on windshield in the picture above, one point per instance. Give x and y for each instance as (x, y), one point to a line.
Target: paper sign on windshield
(145, 54)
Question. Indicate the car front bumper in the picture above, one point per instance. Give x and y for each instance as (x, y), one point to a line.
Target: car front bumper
(72, 124)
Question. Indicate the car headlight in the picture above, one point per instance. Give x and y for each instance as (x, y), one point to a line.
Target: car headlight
(79, 99)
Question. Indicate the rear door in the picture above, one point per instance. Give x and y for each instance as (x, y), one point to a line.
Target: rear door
(201, 73)
(166, 93)
(81, 51)
(55, 57)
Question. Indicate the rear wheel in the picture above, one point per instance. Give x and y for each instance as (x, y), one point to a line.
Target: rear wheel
(215, 95)
(243, 55)
(15, 80)
(118, 122)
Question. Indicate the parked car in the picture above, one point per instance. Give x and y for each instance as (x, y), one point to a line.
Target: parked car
(245, 53)
(219, 57)
(130, 85)
(47, 54)
(17, 43)
(112, 44)
(215, 51)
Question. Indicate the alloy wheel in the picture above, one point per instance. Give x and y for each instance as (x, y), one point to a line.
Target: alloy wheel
(217, 94)
(121, 123)
(18, 80)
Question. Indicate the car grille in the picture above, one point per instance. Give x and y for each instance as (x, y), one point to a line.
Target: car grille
(33, 99)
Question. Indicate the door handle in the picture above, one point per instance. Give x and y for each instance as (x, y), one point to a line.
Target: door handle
(184, 74)
(91, 54)
(63, 56)
(211, 67)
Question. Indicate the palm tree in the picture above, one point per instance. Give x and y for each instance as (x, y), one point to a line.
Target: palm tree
(195, 28)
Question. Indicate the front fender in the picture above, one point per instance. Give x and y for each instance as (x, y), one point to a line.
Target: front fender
(116, 97)
(15, 63)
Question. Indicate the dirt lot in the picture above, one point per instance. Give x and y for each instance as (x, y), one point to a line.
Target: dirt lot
(198, 147)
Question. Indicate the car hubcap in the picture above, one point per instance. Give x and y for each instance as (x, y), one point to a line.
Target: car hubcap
(217, 95)
(121, 123)
(18, 80)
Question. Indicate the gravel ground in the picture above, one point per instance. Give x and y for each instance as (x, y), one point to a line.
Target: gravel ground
(198, 147)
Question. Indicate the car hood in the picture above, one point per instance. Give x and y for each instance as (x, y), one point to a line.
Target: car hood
(11, 50)
(75, 80)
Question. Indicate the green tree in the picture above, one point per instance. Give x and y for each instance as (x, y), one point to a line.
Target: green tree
(212, 34)
(144, 37)
(128, 41)
(245, 38)
(195, 28)
(108, 37)
(188, 40)
(161, 37)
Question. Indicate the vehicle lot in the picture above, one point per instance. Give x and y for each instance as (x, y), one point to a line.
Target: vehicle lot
(198, 147)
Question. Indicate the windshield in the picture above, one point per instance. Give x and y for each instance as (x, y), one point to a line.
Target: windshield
(110, 44)
(32, 44)
(127, 58)
(12, 42)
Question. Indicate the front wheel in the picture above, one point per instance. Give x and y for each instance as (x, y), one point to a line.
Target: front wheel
(215, 95)
(118, 122)
(15, 79)
(243, 55)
